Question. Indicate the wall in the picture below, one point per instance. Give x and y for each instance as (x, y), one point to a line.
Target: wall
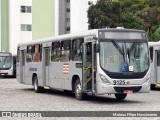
(43, 19)
(79, 19)
(0, 25)
(5, 25)
(15, 20)
(25, 18)
(14, 23)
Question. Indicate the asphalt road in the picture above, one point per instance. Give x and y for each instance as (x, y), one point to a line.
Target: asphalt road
(19, 97)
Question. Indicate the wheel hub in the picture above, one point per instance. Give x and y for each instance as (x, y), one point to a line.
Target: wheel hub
(78, 89)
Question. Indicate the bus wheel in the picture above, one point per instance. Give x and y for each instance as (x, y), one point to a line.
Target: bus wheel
(120, 96)
(37, 88)
(78, 91)
(153, 86)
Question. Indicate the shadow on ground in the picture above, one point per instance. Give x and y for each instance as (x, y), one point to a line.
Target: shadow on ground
(89, 98)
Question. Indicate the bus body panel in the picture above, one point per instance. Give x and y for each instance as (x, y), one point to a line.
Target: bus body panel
(155, 64)
(56, 70)
(18, 73)
(61, 74)
(33, 68)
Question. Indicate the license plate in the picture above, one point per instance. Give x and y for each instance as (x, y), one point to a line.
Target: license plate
(119, 82)
(128, 91)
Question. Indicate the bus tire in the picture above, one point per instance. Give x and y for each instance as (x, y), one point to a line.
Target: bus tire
(78, 91)
(120, 96)
(37, 88)
(153, 86)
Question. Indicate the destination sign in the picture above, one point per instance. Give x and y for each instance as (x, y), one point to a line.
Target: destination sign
(122, 35)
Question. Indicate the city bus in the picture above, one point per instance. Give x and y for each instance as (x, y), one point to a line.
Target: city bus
(95, 62)
(7, 64)
(154, 48)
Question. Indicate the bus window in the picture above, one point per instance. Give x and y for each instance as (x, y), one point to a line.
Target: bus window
(55, 53)
(29, 54)
(158, 58)
(77, 49)
(151, 53)
(37, 53)
(65, 50)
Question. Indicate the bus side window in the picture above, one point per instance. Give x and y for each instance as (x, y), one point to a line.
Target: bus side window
(151, 54)
(55, 53)
(77, 49)
(89, 52)
(158, 58)
(37, 53)
(65, 50)
(29, 54)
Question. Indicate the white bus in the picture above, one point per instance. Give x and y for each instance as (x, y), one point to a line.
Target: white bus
(100, 61)
(154, 48)
(7, 64)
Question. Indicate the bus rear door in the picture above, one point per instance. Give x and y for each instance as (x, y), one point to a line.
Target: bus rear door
(22, 66)
(46, 64)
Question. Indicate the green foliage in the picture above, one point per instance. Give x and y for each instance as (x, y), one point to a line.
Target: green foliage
(156, 35)
(133, 14)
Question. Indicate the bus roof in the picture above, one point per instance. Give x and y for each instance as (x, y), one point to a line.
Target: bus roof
(93, 32)
(61, 37)
(5, 54)
(154, 43)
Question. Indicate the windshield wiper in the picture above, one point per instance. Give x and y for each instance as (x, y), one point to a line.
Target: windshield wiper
(128, 52)
(132, 47)
(121, 51)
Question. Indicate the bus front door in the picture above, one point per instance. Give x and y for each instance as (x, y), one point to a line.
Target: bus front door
(22, 66)
(46, 66)
(88, 80)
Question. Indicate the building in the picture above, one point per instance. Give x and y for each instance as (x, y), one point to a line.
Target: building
(72, 16)
(26, 20)
(43, 18)
(57, 17)
(4, 25)
(15, 23)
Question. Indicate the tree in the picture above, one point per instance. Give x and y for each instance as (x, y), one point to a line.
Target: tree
(156, 35)
(104, 14)
(138, 14)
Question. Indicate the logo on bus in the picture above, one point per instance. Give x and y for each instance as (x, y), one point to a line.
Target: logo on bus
(66, 68)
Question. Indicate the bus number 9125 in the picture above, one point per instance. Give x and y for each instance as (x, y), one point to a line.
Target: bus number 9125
(119, 82)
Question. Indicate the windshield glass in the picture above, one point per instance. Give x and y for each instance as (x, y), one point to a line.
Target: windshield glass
(5, 62)
(122, 56)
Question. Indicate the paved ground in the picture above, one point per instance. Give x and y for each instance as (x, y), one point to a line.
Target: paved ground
(19, 97)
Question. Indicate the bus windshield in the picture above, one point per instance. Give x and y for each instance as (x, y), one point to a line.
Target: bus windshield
(5, 62)
(123, 56)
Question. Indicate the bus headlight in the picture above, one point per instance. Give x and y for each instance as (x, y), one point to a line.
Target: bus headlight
(103, 78)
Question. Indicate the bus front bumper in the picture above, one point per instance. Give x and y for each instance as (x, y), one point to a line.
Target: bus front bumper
(6, 73)
(114, 89)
